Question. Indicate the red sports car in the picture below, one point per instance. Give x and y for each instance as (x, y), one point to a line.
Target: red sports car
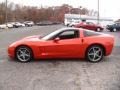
(63, 43)
(90, 26)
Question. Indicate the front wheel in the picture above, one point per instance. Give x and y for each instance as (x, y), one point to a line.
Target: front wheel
(23, 54)
(94, 53)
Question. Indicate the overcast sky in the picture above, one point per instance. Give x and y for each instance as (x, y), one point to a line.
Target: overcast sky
(108, 8)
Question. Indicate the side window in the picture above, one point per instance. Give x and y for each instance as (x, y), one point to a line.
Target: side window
(90, 33)
(69, 34)
(90, 23)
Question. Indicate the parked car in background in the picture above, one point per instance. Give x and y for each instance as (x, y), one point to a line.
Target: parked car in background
(18, 24)
(72, 24)
(42, 23)
(90, 26)
(8, 25)
(29, 23)
(113, 27)
(3, 26)
(67, 22)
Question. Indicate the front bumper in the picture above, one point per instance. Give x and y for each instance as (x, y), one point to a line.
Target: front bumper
(11, 51)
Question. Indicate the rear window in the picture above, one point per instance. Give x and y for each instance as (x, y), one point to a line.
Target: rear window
(88, 33)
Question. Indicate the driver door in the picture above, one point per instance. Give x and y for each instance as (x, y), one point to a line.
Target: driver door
(68, 45)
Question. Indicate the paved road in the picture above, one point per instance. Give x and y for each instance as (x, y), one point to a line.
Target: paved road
(56, 74)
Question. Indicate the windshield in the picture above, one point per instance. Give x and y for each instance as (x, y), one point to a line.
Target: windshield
(49, 36)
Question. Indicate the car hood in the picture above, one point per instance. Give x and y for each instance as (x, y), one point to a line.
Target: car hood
(35, 36)
(24, 41)
(31, 38)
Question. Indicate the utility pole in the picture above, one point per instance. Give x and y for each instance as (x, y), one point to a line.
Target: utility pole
(69, 10)
(80, 13)
(6, 16)
(98, 15)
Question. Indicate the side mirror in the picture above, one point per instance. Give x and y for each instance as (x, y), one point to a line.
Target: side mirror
(56, 39)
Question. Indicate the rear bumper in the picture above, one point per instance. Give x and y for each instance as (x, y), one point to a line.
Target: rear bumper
(109, 49)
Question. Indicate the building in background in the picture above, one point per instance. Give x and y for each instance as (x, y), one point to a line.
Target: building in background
(68, 18)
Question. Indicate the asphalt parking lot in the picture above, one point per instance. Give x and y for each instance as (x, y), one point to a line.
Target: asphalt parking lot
(56, 74)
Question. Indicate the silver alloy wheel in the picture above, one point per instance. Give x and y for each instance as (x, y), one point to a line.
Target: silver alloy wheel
(114, 30)
(95, 54)
(98, 29)
(23, 54)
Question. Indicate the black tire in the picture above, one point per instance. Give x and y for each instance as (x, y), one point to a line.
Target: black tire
(67, 25)
(94, 53)
(15, 26)
(23, 54)
(111, 30)
(26, 25)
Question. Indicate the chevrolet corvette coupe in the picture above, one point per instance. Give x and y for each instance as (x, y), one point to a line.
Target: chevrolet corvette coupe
(63, 43)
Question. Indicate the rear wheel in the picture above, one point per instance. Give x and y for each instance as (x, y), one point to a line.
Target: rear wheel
(23, 54)
(95, 53)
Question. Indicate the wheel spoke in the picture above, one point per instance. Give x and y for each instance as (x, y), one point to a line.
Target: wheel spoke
(94, 57)
(97, 54)
(25, 51)
(91, 54)
(24, 57)
(94, 50)
(20, 55)
(21, 51)
(97, 51)
(27, 55)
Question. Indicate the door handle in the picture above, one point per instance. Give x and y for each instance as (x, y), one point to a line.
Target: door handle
(82, 40)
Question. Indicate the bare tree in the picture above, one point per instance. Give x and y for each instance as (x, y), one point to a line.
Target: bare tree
(25, 13)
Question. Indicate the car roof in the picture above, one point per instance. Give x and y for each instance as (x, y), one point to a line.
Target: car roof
(80, 29)
(71, 28)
